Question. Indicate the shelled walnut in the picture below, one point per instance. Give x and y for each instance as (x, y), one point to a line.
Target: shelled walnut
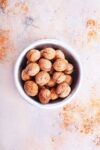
(31, 88)
(48, 53)
(33, 55)
(32, 69)
(42, 78)
(59, 77)
(44, 96)
(63, 90)
(54, 94)
(45, 64)
(24, 75)
(60, 64)
(59, 54)
(69, 69)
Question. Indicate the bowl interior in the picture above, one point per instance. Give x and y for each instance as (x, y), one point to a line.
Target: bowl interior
(71, 58)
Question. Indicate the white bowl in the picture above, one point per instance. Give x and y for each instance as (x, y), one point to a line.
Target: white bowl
(72, 57)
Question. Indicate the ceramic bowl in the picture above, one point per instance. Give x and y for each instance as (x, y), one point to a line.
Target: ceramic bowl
(70, 54)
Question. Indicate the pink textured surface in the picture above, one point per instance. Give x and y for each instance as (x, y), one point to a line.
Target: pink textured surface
(77, 126)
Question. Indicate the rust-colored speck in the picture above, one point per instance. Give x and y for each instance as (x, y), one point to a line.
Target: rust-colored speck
(57, 141)
(53, 139)
(3, 4)
(87, 126)
(67, 116)
(92, 30)
(18, 8)
(91, 23)
(83, 118)
(3, 38)
(97, 140)
(5, 44)
(22, 7)
(92, 34)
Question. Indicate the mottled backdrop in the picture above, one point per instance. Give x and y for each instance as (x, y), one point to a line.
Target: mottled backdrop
(76, 126)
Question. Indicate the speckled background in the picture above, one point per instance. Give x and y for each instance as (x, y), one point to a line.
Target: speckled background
(76, 126)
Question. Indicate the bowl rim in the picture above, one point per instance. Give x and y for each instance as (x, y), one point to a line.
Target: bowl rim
(17, 64)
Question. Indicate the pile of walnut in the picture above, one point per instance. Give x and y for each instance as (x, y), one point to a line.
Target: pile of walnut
(47, 75)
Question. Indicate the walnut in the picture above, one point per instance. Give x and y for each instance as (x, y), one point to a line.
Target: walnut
(63, 90)
(54, 95)
(48, 53)
(59, 77)
(51, 83)
(44, 96)
(33, 55)
(69, 69)
(32, 69)
(45, 64)
(31, 88)
(60, 64)
(24, 75)
(59, 54)
(68, 79)
(42, 78)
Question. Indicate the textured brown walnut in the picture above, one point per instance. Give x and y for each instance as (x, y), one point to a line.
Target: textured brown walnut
(59, 77)
(69, 69)
(31, 88)
(32, 69)
(44, 96)
(45, 64)
(24, 75)
(51, 83)
(54, 95)
(33, 55)
(42, 78)
(48, 53)
(59, 54)
(60, 64)
(63, 90)
(68, 79)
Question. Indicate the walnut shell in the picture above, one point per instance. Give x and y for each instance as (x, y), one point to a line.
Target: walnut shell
(51, 83)
(63, 90)
(68, 79)
(33, 55)
(54, 95)
(31, 88)
(32, 69)
(60, 64)
(70, 69)
(42, 78)
(24, 75)
(59, 77)
(45, 64)
(44, 96)
(59, 54)
(48, 53)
